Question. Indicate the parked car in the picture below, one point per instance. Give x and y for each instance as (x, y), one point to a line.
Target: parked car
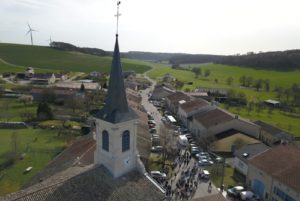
(158, 174)
(205, 162)
(151, 122)
(235, 191)
(248, 195)
(152, 130)
(195, 151)
(156, 149)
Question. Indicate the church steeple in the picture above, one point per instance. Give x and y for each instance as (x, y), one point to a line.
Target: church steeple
(116, 108)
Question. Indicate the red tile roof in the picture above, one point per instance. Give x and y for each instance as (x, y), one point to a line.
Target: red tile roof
(282, 163)
(178, 96)
(213, 118)
(193, 105)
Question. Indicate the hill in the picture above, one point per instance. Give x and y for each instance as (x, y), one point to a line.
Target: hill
(280, 60)
(49, 58)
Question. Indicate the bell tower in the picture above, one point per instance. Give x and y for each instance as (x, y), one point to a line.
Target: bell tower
(116, 124)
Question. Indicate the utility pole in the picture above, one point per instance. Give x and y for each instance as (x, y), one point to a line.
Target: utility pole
(223, 171)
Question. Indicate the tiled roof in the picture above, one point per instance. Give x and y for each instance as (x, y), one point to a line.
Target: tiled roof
(251, 150)
(215, 197)
(274, 131)
(178, 96)
(281, 162)
(213, 117)
(193, 105)
(91, 183)
(80, 148)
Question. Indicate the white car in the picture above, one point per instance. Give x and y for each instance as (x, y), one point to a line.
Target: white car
(248, 195)
(158, 174)
(205, 162)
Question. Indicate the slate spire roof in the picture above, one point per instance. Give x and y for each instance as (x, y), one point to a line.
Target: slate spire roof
(116, 108)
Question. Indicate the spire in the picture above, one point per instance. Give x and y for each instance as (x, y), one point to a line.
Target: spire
(116, 108)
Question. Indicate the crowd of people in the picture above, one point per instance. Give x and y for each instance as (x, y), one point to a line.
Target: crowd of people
(185, 177)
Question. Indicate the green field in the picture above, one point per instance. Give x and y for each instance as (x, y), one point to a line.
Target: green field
(48, 58)
(286, 121)
(222, 72)
(11, 109)
(40, 146)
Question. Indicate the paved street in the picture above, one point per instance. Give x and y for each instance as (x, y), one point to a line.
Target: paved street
(183, 171)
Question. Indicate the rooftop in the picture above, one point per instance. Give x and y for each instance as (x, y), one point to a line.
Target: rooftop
(178, 96)
(249, 151)
(213, 117)
(193, 105)
(282, 163)
(274, 131)
(91, 183)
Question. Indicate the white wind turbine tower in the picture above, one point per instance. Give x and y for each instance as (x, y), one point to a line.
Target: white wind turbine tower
(50, 40)
(30, 31)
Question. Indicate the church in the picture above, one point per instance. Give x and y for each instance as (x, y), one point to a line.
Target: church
(104, 167)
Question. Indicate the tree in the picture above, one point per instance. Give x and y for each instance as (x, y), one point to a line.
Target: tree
(229, 80)
(197, 71)
(267, 84)
(250, 107)
(279, 92)
(26, 99)
(178, 84)
(287, 92)
(216, 81)
(27, 115)
(207, 73)
(258, 84)
(243, 80)
(44, 111)
(248, 81)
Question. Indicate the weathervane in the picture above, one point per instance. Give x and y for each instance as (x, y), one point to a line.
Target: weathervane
(118, 15)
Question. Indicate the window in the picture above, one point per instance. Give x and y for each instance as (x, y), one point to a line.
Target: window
(105, 140)
(125, 141)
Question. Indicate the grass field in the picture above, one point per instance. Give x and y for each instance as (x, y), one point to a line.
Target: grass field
(286, 121)
(11, 109)
(40, 146)
(48, 58)
(222, 72)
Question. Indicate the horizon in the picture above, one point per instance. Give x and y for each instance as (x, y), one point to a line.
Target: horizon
(217, 27)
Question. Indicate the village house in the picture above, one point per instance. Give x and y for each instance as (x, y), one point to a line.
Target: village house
(174, 100)
(271, 135)
(76, 85)
(43, 78)
(160, 92)
(40, 94)
(243, 155)
(168, 78)
(274, 174)
(212, 122)
(190, 108)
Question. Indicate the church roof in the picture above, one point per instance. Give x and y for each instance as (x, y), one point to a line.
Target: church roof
(90, 183)
(116, 108)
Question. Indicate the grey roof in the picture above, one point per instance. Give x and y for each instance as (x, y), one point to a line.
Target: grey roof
(251, 150)
(90, 183)
(116, 108)
(280, 134)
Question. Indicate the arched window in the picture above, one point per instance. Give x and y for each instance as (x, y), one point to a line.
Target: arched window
(125, 141)
(105, 140)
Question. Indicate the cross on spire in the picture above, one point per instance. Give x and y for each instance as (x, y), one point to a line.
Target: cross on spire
(118, 15)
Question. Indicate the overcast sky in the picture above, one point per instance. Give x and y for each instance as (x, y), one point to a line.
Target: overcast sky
(190, 26)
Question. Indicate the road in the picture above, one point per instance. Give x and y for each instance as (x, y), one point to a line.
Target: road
(202, 188)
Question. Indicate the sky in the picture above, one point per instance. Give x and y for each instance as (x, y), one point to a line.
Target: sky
(182, 26)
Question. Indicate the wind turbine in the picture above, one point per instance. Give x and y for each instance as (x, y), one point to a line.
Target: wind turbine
(30, 31)
(50, 40)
